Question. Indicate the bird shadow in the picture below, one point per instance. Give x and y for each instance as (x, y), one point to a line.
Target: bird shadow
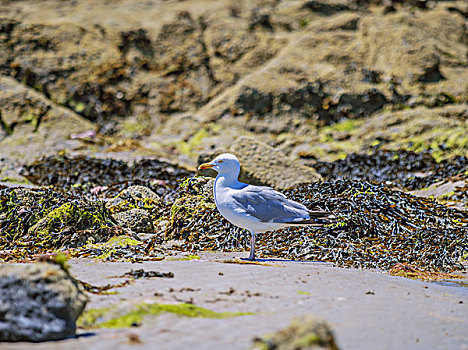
(83, 335)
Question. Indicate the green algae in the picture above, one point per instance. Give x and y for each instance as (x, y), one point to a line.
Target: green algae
(61, 260)
(82, 216)
(301, 292)
(189, 204)
(142, 124)
(128, 204)
(40, 221)
(109, 317)
(109, 250)
(443, 143)
(16, 180)
(188, 147)
(31, 204)
(184, 258)
(346, 125)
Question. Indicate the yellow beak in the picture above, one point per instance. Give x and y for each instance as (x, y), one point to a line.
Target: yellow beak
(205, 166)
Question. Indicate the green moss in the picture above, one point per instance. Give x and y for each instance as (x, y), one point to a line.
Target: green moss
(187, 147)
(303, 293)
(16, 180)
(128, 204)
(307, 341)
(4, 126)
(61, 259)
(442, 142)
(80, 107)
(304, 22)
(109, 317)
(183, 258)
(109, 249)
(186, 203)
(344, 125)
(449, 194)
(82, 217)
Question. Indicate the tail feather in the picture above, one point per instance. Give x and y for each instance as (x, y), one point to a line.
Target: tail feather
(317, 218)
(321, 214)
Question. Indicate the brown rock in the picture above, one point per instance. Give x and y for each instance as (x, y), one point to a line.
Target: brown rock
(35, 123)
(263, 165)
(412, 46)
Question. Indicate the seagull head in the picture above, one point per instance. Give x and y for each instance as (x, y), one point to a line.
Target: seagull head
(225, 163)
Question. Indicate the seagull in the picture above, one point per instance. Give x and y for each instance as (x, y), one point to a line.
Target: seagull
(255, 208)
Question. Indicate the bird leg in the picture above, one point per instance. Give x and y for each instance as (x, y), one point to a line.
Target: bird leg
(252, 247)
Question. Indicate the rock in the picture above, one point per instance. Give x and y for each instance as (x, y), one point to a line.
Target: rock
(136, 207)
(344, 21)
(263, 165)
(304, 333)
(133, 193)
(360, 105)
(280, 68)
(442, 131)
(326, 8)
(38, 302)
(72, 224)
(137, 220)
(40, 126)
(404, 45)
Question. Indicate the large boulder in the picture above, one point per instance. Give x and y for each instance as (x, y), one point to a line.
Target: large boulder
(31, 125)
(261, 164)
(413, 46)
(38, 302)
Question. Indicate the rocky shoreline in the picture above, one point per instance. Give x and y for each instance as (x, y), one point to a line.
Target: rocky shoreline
(356, 107)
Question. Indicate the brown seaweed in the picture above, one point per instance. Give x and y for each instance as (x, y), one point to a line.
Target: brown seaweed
(405, 169)
(376, 227)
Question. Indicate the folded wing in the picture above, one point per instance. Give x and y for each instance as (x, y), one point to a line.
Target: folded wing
(269, 205)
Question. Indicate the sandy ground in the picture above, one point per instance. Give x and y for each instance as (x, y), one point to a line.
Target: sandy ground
(366, 309)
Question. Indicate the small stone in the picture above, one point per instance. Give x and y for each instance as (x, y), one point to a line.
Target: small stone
(304, 333)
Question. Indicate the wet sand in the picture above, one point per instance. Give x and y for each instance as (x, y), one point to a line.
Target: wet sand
(366, 309)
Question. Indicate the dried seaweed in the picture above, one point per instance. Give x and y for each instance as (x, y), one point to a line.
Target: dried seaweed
(406, 169)
(40, 221)
(141, 273)
(375, 227)
(81, 174)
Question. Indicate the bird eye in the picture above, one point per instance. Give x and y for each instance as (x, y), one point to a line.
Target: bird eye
(220, 161)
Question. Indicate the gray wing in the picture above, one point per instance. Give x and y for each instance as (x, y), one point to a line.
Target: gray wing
(269, 205)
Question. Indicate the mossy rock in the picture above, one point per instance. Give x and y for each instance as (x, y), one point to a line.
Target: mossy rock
(135, 198)
(21, 208)
(195, 219)
(137, 220)
(305, 333)
(71, 217)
